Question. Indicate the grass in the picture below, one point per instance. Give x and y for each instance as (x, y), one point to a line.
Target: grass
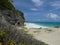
(27, 40)
(49, 30)
(36, 31)
(3, 33)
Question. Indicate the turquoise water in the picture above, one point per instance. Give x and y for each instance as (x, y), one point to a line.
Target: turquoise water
(47, 24)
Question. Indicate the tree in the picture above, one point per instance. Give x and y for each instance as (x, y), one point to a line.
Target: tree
(6, 4)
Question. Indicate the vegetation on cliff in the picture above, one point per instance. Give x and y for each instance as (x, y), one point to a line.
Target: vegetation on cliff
(7, 5)
(23, 39)
(21, 14)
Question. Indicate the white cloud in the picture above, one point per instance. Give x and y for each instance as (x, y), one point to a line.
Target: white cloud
(34, 9)
(37, 2)
(53, 16)
(56, 5)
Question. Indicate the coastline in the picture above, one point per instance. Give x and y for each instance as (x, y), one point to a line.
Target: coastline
(48, 35)
(32, 25)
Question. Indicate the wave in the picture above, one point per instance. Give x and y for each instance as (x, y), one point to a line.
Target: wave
(33, 25)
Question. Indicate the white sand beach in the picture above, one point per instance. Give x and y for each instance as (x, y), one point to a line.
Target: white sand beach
(50, 36)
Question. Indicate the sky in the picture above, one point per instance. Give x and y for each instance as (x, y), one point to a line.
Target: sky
(39, 10)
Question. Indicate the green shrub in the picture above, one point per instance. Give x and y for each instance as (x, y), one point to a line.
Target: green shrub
(5, 4)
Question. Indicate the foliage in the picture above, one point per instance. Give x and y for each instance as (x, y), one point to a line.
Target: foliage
(21, 14)
(5, 4)
(3, 33)
(30, 41)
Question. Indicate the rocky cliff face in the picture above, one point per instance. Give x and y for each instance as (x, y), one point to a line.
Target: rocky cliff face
(9, 14)
(11, 17)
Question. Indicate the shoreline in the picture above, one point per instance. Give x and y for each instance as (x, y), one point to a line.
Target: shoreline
(33, 25)
(50, 36)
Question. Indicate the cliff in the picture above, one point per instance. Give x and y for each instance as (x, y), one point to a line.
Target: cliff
(10, 14)
(9, 19)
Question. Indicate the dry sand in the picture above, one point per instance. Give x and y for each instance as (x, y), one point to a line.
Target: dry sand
(50, 36)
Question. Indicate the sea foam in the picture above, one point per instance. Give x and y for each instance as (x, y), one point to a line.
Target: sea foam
(33, 25)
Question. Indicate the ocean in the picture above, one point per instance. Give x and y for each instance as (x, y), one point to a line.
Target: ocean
(42, 24)
(47, 24)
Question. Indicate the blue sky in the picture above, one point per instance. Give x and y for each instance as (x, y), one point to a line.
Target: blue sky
(39, 10)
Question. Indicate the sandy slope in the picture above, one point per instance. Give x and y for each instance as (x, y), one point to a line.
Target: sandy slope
(50, 36)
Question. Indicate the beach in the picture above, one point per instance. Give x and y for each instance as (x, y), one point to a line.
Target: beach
(50, 36)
